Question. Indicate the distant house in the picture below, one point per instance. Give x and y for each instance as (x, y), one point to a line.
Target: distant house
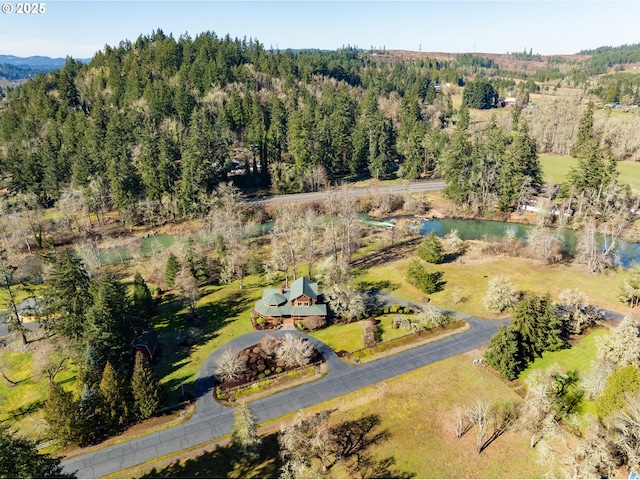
(508, 102)
(288, 305)
(147, 344)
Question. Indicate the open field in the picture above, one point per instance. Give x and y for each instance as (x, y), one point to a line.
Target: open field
(413, 410)
(556, 168)
(469, 276)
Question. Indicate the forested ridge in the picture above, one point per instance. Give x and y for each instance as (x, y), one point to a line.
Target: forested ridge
(157, 118)
(164, 120)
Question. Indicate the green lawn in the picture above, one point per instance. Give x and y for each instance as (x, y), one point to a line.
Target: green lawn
(470, 277)
(225, 312)
(556, 168)
(24, 400)
(579, 357)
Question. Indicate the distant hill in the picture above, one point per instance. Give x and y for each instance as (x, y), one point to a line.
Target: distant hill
(14, 69)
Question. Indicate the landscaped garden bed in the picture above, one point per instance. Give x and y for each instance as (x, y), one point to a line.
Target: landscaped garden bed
(405, 342)
(267, 360)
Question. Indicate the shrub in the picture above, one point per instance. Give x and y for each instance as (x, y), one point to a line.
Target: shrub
(267, 372)
(300, 325)
(315, 322)
(394, 308)
(278, 369)
(261, 375)
(623, 381)
(261, 321)
(418, 276)
(430, 250)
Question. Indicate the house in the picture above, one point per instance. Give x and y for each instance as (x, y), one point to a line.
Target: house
(289, 305)
(147, 343)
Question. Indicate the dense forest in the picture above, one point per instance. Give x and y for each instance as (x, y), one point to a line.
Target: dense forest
(159, 117)
(164, 120)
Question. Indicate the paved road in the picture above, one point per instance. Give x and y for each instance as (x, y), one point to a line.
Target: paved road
(413, 187)
(24, 308)
(212, 420)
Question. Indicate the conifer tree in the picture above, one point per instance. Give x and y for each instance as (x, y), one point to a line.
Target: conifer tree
(60, 413)
(110, 324)
(113, 391)
(521, 173)
(171, 270)
(145, 388)
(142, 302)
(584, 138)
(67, 297)
(19, 458)
(431, 250)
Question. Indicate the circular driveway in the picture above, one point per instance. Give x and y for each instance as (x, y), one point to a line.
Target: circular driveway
(213, 420)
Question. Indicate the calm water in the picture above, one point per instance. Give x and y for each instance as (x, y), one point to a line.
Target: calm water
(488, 230)
(467, 230)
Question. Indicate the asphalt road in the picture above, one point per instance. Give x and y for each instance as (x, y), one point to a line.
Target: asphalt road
(25, 307)
(413, 187)
(213, 420)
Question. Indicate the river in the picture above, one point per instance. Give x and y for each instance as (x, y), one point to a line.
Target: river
(625, 256)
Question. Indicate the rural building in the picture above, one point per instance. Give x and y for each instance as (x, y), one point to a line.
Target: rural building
(147, 344)
(289, 305)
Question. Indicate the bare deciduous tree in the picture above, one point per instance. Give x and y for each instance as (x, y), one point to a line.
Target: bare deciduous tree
(345, 301)
(306, 438)
(577, 310)
(622, 347)
(501, 295)
(245, 433)
(595, 379)
(230, 366)
(538, 406)
(544, 246)
(294, 351)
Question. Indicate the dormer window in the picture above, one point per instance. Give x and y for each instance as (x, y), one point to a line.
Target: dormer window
(303, 304)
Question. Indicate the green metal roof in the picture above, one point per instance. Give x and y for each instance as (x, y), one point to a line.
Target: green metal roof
(277, 303)
(303, 286)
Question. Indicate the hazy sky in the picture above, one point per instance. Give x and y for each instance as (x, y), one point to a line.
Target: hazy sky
(80, 28)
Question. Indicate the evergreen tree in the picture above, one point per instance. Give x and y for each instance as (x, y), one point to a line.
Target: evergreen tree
(171, 270)
(60, 413)
(521, 173)
(88, 417)
(91, 371)
(244, 435)
(145, 388)
(110, 325)
(114, 394)
(141, 300)
(585, 138)
(456, 166)
(503, 353)
(67, 297)
(428, 282)
(431, 250)
(537, 325)
(19, 458)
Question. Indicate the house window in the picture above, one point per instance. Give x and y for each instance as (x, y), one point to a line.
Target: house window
(303, 304)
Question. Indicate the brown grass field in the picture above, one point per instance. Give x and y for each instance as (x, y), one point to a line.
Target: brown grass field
(414, 411)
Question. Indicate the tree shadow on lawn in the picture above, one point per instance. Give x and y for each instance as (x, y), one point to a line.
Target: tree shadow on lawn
(226, 462)
(350, 440)
(200, 329)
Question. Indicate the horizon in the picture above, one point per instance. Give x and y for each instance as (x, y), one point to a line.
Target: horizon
(80, 28)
